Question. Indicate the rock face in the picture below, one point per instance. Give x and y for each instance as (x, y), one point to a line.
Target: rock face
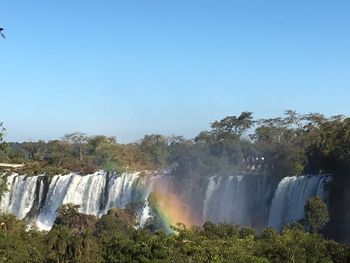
(249, 200)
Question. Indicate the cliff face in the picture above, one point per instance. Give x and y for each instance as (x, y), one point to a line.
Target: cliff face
(339, 200)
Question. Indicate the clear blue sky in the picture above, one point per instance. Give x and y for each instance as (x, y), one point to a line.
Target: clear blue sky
(129, 68)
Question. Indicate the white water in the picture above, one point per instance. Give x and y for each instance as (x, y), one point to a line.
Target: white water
(95, 193)
(291, 196)
(254, 201)
(146, 213)
(21, 200)
(242, 200)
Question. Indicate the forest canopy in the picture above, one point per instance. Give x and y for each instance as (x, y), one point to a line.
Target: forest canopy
(282, 146)
(291, 144)
(112, 238)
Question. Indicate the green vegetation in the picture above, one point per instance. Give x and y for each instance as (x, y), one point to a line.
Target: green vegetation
(316, 214)
(80, 238)
(4, 148)
(278, 147)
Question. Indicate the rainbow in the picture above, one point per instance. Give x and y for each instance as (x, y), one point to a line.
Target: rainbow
(171, 210)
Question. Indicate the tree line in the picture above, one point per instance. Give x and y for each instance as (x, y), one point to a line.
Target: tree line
(282, 146)
(76, 237)
(288, 145)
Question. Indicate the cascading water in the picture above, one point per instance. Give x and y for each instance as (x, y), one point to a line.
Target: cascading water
(20, 201)
(257, 201)
(34, 200)
(251, 200)
(238, 199)
(291, 196)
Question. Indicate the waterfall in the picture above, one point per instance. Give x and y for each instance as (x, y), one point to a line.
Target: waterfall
(146, 213)
(237, 199)
(213, 185)
(258, 201)
(36, 200)
(250, 200)
(20, 197)
(291, 196)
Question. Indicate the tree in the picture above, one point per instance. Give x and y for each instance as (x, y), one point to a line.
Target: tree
(155, 148)
(68, 216)
(66, 245)
(70, 238)
(17, 244)
(2, 132)
(3, 185)
(78, 140)
(232, 125)
(118, 220)
(104, 151)
(4, 148)
(316, 214)
(57, 152)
